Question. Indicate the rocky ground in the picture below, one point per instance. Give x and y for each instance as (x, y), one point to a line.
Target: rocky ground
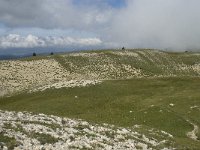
(67, 84)
(23, 130)
(17, 76)
(40, 73)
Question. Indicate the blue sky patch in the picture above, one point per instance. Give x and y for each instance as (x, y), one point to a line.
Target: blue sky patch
(112, 3)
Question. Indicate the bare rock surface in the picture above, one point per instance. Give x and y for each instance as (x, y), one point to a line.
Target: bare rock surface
(40, 131)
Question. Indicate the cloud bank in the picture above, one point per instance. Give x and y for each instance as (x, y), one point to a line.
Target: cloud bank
(51, 14)
(31, 41)
(162, 24)
(172, 24)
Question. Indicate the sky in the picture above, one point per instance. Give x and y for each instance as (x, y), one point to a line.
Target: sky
(67, 25)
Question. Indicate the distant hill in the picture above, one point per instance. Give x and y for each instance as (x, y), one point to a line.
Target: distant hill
(7, 57)
(33, 72)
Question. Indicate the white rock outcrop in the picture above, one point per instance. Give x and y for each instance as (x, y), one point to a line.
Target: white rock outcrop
(39, 131)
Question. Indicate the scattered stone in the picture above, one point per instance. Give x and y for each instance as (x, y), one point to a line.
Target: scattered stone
(195, 106)
(40, 131)
(193, 134)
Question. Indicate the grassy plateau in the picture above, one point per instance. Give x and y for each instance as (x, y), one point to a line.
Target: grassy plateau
(161, 93)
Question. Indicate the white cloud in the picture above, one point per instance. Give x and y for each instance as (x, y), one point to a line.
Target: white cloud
(172, 24)
(31, 41)
(53, 14)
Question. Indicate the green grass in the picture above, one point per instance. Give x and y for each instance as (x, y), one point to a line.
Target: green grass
(124, 103)
(7, 141)
(43, 138)
(112, 101)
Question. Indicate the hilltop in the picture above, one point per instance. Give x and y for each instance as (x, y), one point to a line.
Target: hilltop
(34, 72)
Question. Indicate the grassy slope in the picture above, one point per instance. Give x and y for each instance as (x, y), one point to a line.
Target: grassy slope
(150, 62)
(109, 65)
(112, 101)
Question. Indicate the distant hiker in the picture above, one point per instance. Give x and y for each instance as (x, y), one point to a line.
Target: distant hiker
(51, 53)
(123, 48)
(34, 54)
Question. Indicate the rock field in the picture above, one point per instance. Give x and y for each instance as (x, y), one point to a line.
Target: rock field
(23, 130)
